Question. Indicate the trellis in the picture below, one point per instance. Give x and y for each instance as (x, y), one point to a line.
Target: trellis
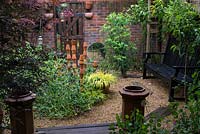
(152, 39)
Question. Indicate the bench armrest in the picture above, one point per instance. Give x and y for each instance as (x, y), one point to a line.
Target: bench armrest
(148, 55)
(187, 67)
(154, 53)
(178, 68)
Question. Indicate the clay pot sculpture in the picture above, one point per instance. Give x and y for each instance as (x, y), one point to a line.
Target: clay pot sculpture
(88, 5)
(89, 15)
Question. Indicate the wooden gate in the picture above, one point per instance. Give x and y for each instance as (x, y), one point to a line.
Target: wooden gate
(70, 26)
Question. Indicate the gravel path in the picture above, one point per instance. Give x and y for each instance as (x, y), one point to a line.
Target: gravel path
(106, 112)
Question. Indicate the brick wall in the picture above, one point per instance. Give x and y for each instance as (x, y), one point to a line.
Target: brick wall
(101, 9)
(92, 27)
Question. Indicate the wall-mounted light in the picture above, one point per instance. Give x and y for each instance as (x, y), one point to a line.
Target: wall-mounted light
(40, 40)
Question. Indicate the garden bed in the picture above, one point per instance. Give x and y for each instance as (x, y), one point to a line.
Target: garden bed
(107, 110)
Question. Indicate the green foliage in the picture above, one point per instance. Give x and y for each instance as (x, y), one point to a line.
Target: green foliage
(182, 21)
(60, 95)
(100, 80)
(135, 124)
(194, 87)
(93, 96)
(21, 69)
(138, 13)
(186, 119)
(174, 17)
(118, 47)
(130, 125)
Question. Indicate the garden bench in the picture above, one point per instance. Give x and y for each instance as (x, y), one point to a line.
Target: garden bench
(171, 67)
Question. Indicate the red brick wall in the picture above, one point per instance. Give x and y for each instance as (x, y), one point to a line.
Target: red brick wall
(92, 27)
(101, 9)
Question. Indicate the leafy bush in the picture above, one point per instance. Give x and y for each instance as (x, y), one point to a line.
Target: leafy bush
(21, 69)
(187, 119)
(119, 49)
(138, 13)
(182, 21)
(60, 95)
(135, 124)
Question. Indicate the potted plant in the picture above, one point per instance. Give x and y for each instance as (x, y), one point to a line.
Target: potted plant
(101, 80)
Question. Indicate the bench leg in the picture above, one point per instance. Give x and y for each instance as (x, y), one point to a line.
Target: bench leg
(171, 91)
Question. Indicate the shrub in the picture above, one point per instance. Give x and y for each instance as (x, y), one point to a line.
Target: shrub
(60, 96)
(119, 49)
(135, 124)
(21, 69)
(187, 119)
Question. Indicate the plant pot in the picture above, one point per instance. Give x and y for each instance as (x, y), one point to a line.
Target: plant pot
(88, 5)
(15, 94)
(106, 88)
(133, 98)
(89, 15)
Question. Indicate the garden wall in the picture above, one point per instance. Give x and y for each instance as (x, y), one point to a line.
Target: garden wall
(92, 27)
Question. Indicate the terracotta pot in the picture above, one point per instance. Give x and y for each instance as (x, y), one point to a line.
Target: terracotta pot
(133, 98)
(88, 5)
(89, 15)
(106, 88)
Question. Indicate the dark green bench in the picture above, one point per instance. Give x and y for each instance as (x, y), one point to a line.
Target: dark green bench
(171, 68)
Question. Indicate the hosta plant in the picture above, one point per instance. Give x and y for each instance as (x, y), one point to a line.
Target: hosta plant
(101, 80)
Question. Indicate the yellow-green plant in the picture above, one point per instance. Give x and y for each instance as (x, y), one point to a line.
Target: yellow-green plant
(101, 80)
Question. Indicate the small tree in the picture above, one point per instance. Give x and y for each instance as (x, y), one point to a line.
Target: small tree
(19, 64)
(118, 46)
